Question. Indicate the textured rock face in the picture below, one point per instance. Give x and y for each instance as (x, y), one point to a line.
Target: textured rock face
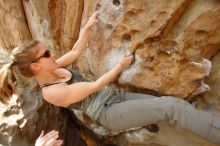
(38, 21)
(13, 26)
(170, 40)
(173, 43)
(65, 19)
(55, 22)
(164, 138)
(213, 96)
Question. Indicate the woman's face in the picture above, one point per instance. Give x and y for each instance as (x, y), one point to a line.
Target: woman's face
(45, 59)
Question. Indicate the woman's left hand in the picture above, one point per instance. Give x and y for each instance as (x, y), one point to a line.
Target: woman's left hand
(125, 61)
(50, 139)
(92, 20)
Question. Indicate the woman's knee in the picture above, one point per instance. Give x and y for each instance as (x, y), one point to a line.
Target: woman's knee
(176, 108)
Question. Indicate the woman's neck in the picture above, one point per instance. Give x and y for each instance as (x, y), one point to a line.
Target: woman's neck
(46, 78)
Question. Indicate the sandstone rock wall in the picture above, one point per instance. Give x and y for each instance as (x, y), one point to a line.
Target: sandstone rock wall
(175, 43)
(212, 97)
(170, 41)
(13, 26)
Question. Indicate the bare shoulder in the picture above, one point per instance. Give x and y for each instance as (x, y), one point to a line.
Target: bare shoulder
(63, 72)
(63, 94)
(55, 94)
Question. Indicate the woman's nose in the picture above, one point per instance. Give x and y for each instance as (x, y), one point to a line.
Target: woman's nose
(52, 56)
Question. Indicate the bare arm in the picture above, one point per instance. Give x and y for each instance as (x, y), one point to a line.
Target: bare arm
(80, 44)
(68, 94)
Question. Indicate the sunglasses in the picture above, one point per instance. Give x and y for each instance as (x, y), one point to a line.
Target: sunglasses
(46, 54)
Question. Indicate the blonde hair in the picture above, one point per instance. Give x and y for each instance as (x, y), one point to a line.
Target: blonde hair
(21, 58)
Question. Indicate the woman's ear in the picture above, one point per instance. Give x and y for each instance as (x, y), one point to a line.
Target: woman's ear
(34, 67)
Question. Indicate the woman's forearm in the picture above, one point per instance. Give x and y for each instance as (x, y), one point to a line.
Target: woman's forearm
(76, 51)
(82, 42)
(109, 76)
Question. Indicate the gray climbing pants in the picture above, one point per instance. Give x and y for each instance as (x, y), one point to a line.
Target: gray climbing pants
(130, 110)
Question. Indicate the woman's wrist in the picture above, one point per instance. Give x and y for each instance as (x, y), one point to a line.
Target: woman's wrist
(86, 29)
(121, 65)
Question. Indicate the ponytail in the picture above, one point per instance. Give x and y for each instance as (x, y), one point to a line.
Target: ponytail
(21, 58)
(7, 83)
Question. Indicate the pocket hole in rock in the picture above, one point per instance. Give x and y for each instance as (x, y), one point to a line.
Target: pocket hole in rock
(97, 7)
(116, 2)
(126, 38)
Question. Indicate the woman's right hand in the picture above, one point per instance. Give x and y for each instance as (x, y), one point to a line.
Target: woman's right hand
(125, 61)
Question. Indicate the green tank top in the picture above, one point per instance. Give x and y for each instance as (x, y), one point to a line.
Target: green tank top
(93, 104)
